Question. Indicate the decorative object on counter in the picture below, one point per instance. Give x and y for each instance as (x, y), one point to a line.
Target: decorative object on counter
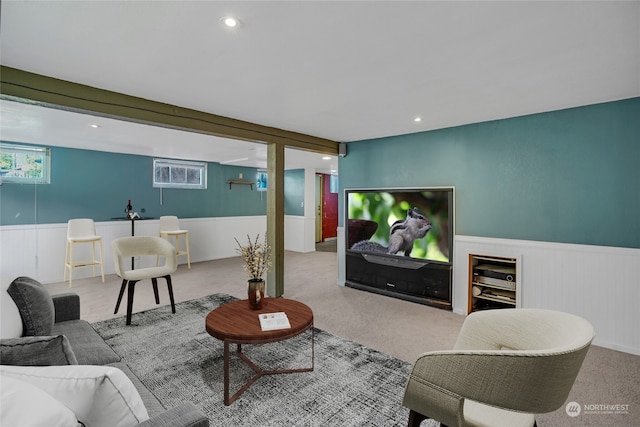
(129, 209)
(257, 261)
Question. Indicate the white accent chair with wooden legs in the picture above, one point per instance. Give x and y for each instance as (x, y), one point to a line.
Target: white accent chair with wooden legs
(80, 231)
(170, 227)
(506, 366)
(126, 248)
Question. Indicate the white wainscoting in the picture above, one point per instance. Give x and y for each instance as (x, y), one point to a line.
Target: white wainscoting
(299, 233)
(599, 283)
(342, 267)
(38, 250)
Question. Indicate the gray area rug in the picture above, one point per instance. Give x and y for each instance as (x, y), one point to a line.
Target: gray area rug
(179, 361)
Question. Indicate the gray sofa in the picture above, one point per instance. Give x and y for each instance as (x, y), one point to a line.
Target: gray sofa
(71, 340)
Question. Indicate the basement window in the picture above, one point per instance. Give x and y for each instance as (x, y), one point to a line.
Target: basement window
(179, 174)
(24, 164)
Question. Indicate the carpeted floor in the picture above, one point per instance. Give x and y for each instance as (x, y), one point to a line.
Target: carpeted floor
(398, 328)
(327, 246)
(173, 355)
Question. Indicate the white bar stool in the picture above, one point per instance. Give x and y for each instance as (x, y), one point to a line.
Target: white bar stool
(82, 230)
(170, 227)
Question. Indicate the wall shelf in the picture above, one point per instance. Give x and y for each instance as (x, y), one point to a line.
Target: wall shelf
(240, 182)
(493, 283)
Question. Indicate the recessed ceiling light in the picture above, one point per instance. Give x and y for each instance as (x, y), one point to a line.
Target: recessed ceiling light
(230, 21)
(417, 119)
(326, 158)
(94, 126)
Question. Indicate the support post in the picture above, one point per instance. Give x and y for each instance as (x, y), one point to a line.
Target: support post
(275, 218)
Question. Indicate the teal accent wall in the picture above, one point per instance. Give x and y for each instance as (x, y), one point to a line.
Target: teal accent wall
(570, 176)
(294, 192)
(95, 184)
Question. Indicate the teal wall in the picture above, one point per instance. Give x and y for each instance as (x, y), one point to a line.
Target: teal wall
(569, 176)
(95, 184)
(294, 192)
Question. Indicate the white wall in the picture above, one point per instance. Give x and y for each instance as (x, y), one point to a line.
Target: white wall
(300, 231)
(598, 283)
(299, 234)
(38, 250)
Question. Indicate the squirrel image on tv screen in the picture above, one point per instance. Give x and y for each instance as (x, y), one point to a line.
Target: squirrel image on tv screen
(401, 235)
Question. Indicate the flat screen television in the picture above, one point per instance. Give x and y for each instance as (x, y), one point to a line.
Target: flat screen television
(372, 213)
(399, 243)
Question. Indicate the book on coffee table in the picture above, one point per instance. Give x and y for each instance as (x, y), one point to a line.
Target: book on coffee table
(273, 321)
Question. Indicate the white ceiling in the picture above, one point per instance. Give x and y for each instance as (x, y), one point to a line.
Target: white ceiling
(20, 122)
(343, 70)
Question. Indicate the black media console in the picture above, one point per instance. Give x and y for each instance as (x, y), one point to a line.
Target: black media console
(424, 282)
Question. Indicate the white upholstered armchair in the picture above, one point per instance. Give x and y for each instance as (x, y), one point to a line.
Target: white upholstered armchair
(126, 248)
(506, 366)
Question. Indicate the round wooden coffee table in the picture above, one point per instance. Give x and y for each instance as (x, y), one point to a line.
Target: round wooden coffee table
(236, 323)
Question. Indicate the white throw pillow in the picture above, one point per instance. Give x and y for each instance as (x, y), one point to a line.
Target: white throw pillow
(98, 395)
(24, 404)
(10, 320)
